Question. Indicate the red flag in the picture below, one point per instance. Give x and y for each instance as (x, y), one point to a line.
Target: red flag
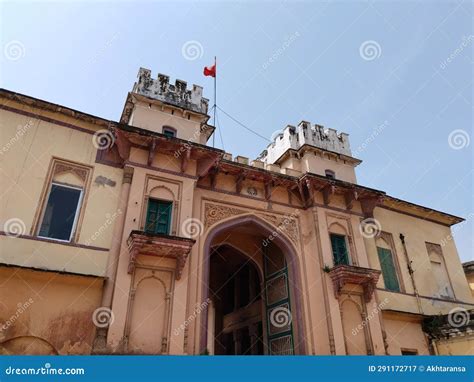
(210, 70)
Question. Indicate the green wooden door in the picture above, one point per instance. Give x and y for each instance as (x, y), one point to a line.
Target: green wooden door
(339, 249)
(388, 269)
(277, 302)
(158, 217)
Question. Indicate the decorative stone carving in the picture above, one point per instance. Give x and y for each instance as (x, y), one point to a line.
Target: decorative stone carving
(141, 243)
(214, 213)
(349, 274)
(288, 225)
(252, 191)
(285, 224)
(60, 167)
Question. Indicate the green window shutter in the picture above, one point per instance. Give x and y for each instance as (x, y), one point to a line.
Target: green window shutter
(388, 269)
(158, 217)
(339, 249)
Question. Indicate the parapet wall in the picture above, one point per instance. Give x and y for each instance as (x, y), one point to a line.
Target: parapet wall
(177, 94)
(293, 137)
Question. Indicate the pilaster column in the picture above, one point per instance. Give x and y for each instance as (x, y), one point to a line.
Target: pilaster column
(100, 340)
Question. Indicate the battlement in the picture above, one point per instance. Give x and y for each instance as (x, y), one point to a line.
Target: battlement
(294, 137)
(177, 94)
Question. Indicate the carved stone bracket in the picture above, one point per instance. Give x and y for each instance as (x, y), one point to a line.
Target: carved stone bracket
(268, 189)
(350, 197)
(302, 194)
(205, 165)
(174, 247)
(152, 150)
(185, 159)
(123, 145)
(349, 274)
(368, 205)
(213, 176)
(239, 181)
(328, 192)
(310, 200)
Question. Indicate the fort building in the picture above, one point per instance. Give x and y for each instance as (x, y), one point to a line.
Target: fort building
(137, 237)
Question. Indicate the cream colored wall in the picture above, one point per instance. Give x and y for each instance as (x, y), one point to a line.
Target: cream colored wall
(318, 164)
(183, 188)
(55, 309)
(46, 255)
(292, 163)
(417, 232)
(25, 162)
(333, 221)
(156, 117)
(317, 281)
(404, 333)
(313, 163)
(456, 346)
(470, 280)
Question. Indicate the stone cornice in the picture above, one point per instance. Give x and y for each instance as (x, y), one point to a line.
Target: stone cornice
(308, 148)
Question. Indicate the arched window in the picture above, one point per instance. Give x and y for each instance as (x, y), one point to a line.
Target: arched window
(387, 265)
(158, 216)
(330, 174)
(159, 211)
(169, 131)
(339, 244)
(440, 273)
(339, 249)
(61, 209)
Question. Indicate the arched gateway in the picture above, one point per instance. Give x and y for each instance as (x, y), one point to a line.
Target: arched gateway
(252, 286)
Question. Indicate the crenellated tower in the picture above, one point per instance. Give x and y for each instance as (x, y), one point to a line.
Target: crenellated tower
(171, 109)
(313, 149)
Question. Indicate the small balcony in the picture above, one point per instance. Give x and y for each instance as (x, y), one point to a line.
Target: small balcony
(350, 274)
(141, 243)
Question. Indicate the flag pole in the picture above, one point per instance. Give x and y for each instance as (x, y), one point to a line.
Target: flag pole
(215, 99)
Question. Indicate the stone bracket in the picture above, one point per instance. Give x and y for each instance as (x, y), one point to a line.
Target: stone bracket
(368, 205)
(349, 274)
(165, 246)
(185, 159)
(350, 197)
(152, 150)
(328, 192)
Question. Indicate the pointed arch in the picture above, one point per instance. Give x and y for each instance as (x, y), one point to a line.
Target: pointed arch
(338, 228)
(162, 192)
(291, 256)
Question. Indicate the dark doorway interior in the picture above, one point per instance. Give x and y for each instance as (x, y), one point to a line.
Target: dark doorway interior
(236, 294)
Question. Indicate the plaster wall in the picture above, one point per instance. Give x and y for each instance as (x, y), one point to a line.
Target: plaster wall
(47, 313)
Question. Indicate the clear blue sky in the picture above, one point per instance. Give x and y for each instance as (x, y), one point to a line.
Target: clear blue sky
(345, 65)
